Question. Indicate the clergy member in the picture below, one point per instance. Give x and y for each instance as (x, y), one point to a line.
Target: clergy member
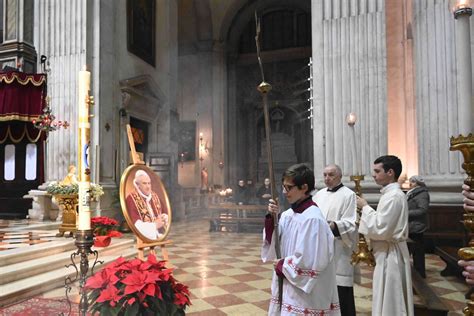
(338, 206)
(387, 229)
(307, 250)
(144, 208)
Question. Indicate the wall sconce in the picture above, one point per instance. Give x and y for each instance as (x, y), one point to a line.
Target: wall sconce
(203, 147)
(460, 7)
(181, 159)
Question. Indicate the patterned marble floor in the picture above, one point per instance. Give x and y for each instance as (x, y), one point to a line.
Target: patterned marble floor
(226, 276)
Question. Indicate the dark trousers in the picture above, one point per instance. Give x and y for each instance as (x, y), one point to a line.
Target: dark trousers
(346, 300)
(417, 249)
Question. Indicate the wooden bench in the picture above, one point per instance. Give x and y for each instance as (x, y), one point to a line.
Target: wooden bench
(237, 218)
(431, 304)
(450, 256)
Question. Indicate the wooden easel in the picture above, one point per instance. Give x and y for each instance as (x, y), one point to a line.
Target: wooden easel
(142, 245)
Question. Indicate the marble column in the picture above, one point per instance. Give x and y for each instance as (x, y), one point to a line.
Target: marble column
(349, 71)
(60, 29)
(436, 101)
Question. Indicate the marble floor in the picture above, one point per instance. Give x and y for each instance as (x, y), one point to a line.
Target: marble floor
(226, 276)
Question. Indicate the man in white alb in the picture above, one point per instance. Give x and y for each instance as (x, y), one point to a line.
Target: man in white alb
(387, 229)
(338, 206)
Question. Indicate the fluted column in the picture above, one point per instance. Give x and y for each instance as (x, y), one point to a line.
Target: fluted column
(219, 82)
(60, 27)
(435, 90)
(349, 76)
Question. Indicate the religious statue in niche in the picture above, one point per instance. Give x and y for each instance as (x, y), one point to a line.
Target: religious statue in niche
(141, 29)
(204, 179)
(277, 116)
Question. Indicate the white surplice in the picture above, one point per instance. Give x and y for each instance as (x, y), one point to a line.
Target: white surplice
(309, 286)
(387, 229)
(340, 207)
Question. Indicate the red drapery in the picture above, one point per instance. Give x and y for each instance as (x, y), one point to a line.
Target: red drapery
(21, 96)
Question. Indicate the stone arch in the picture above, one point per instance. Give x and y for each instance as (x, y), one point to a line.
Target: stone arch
(244, 102)
(242, 11)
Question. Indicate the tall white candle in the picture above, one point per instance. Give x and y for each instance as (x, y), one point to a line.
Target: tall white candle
(84, 151)
(351, 120)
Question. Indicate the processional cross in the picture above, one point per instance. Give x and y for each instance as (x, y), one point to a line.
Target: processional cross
(264, 88)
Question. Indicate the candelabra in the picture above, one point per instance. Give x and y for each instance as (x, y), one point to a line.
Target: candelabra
(363, 253)
(465, 144)
(462, 11)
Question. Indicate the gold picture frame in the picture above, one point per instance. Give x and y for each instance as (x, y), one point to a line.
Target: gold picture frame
(128, 195)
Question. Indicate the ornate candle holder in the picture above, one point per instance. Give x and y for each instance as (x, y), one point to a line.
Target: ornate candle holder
(84, 243)
(465, 144)
(363, 253)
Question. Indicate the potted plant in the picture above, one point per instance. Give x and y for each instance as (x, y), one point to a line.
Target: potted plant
(136, 287)
(58, 188)
(104, 229)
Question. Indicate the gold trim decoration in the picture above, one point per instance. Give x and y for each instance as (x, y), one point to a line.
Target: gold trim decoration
(9, 135)
(16, 76)
(16, 117)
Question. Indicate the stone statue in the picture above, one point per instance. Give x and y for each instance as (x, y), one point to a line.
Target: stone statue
(71, 176)
(204, 179)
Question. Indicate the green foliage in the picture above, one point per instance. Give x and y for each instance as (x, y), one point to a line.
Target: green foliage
(96, 190)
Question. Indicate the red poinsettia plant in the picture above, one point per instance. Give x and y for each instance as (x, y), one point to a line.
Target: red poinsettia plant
(105, 226)
(136, 287)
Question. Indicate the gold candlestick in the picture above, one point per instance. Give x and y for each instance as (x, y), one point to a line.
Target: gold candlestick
(363, 253)
(465, 144)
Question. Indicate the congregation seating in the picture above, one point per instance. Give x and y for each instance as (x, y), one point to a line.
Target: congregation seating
(236, 218)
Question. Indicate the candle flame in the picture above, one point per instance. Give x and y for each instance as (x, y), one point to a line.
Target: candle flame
(351, 119)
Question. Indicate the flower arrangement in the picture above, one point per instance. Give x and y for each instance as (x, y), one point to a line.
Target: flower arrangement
(96, 190)
(136, 287)
(105, 226)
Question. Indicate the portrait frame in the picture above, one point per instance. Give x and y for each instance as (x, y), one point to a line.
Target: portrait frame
(141, 29)
(127, 187)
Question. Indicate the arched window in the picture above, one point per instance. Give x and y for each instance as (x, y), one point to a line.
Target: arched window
(281, 28)
(30, 162)
(9, 165)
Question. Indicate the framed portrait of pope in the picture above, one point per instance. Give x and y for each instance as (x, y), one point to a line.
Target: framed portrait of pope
(145, 204)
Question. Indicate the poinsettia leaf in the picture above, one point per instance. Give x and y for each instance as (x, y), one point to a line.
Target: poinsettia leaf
(132, 310)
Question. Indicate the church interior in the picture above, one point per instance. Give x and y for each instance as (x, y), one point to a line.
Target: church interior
(90, 90)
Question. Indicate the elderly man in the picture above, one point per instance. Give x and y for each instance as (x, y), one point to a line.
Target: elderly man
(338, 206)
(144, 208)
